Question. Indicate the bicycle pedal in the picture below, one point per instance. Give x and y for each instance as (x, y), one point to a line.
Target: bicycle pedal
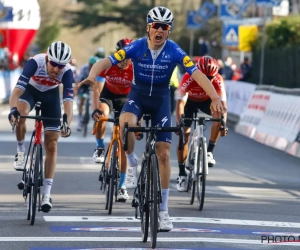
(20, 170)
(121, 200)
(162, 231)
(21, 185)
(134, 203)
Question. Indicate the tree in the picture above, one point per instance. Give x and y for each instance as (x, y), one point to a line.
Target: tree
(47, 34)
(96, 12)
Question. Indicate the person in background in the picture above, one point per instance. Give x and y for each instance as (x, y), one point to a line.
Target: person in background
(246, 70)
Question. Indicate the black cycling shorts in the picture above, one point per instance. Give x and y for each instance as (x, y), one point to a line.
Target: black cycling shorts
(191, 106)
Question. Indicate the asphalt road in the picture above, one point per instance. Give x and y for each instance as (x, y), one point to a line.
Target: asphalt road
(253, 191)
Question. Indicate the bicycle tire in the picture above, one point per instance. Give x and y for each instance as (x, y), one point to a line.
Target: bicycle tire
(113, 175)
(34, 168)
(191, 176)
(154, 199)
(201, 173)
(143, 202)
(86, 117)
(28, 196)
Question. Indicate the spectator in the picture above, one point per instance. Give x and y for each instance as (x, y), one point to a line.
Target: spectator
(227, 70)
(203, 47)
(221, 66)
(246, 70)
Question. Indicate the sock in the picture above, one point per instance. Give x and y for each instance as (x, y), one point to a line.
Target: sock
(181, 169)
(131, 159)
(211, 146)
(165, 197)
(21, 146)
(79, 120)
(122, 180)
(47, 186)
(99, 142)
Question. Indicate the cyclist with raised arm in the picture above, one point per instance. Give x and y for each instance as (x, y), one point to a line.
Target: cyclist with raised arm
(83, 90)
(39, 82)
(192, 97)
(113, 96)
(154, 58)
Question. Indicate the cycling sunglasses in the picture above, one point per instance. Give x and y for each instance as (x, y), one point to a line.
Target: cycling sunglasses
(164, 26)
(54, 64)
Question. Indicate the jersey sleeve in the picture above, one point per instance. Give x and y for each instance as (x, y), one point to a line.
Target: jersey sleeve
(67, 81)
(124, 53)
(28, 71)
(182, 93)
(219, 85)
(184, 60)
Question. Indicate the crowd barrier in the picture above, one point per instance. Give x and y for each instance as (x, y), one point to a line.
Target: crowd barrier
(267, 114)
(8, 80)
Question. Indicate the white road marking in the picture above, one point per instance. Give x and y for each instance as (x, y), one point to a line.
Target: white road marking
(128, 239)
(173, 219)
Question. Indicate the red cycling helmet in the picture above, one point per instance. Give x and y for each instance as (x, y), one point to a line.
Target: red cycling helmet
(208, 65)
(122, 43)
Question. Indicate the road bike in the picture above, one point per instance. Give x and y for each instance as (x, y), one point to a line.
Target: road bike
(196, 164)
(33, 175)
(147, 195)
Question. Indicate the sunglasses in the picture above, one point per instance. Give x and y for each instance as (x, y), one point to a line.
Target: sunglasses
(54, 64)
(164, 26)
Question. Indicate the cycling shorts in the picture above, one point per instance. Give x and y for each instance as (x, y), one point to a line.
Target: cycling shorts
(83, 89)
(191, 106)
(113, 100)
(157, 107)
(50, 105)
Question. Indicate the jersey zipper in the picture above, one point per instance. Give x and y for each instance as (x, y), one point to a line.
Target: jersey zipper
(152, 76)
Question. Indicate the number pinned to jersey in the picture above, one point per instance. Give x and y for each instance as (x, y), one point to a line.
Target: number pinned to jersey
(120, 55)
(187, 62)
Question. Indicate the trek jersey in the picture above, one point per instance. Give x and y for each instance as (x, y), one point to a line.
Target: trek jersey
(153, 69)
(35, 74)
(189, 89)
(84, 73)
(118, 81)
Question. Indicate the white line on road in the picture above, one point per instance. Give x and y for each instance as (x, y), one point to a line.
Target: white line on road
(173, 219)
(123, 239)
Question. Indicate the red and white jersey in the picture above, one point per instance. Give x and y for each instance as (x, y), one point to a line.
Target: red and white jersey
(190, 89)
(41, 80)
(118, 81)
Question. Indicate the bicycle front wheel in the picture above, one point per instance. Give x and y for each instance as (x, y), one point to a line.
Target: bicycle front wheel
(191, 181)
(112, 176)
(154, 199)
(144, 189)
(34, 181)
(201, 173)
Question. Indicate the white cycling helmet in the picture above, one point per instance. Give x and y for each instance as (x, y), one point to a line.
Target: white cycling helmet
(160, 14)
(59, 52)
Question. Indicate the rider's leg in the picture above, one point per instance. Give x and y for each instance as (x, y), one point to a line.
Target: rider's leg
(51, 138)
(80, 110)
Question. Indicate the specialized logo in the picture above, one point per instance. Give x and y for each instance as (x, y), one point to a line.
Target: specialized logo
(130, 102)
(187, 62)
(164, 120)
(120, 55)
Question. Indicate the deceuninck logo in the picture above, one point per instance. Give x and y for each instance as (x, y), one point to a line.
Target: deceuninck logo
(120, 55)
(187, 62)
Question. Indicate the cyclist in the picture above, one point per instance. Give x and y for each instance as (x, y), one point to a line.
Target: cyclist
(191, 97)
(113, 96)
(39, 82)
(83, 90)
(154, 58)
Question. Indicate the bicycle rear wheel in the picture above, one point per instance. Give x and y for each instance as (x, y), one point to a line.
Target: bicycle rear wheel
(86, 117)
(154, 199)
(201, 173)
(112, 175)
(34, 182)
(144, 188)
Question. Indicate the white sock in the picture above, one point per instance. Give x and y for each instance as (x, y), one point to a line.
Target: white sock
(79, 120)
(47, 186)
(131, 160)
(21, 146)
(165, 197)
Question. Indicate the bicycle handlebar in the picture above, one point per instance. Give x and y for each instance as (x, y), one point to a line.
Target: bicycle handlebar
(203, 119)
(179, 129)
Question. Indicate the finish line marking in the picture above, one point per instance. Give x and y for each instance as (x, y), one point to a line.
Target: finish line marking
(138, 239)
(173, 219)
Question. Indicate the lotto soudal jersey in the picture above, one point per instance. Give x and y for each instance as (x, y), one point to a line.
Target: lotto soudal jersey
(118, 81)
(153, 68)
(190, 89)
(35, 74)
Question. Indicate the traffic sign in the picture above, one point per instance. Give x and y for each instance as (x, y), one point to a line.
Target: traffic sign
(230, 34)
(271, 3)
(233, 9)
(197, 19)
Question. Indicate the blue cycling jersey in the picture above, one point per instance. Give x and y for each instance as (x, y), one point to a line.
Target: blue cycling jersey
(152, 72)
